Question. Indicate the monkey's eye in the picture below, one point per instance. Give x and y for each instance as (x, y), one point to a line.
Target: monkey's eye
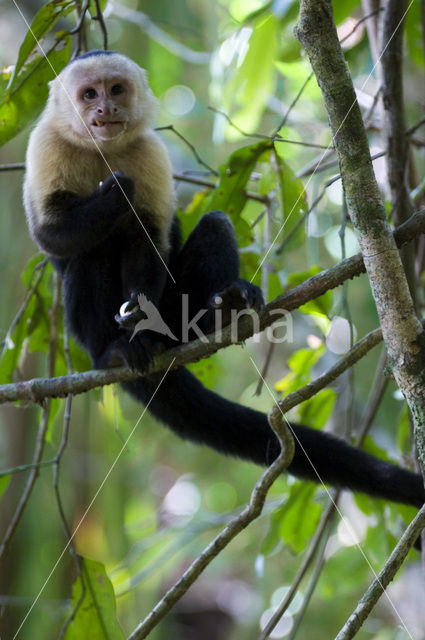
(90, 94)
(116, 89)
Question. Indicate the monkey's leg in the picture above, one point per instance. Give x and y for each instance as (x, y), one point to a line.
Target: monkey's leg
(208, 272)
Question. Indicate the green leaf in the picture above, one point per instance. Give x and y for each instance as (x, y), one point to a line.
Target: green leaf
(296, 520)
(93, 8)
(28, 94)
(4, 482)
(96, 616)
(294, 201)
(13, 345)
(43, 22)
(300, 363)
(230, 193)
(343, 10)
(33, 325)
(413, 34)
(193, 212)
(38, 329)
(316, 411)
(252, 84)
(321, 305)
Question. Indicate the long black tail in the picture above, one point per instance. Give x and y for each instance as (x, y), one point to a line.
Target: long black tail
(200, 415)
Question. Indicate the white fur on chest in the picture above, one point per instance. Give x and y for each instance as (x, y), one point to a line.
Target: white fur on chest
(53, 164)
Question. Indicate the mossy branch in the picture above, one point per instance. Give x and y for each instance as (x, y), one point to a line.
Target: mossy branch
(402, 331)
(38, 389)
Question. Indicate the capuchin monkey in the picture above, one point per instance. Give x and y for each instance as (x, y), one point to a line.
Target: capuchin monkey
(99, 199)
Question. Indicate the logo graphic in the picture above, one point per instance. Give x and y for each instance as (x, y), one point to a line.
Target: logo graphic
(280, 331)
(153, 320)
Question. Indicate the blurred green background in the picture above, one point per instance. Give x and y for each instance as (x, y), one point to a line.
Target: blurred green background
(165, 499)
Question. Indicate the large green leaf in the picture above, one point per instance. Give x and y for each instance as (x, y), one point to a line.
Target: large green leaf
(252, 83)
(230, 193)
(316, 411)
(413, 34)
(295, 521)
(33, 324)
(43, 22)
(294, 202)
(28, 93)
(300, 364)
(96, 616)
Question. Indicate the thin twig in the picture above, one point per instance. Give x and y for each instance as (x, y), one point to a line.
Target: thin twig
(358, 351)
(372, 14)
(379, 385)
(58, 458)
(41, 435)
(32, 289)
(415, 127)
(316, 201)
(275, 137)
(13, 166)
(310, 589)
(181, 177)
(305, 215)
(99, 17)
(385, 576)
(323, 525)
(170, 127)
(26, 467)
(80, 23)
(307, 80)
(292, 105)
(235, 526)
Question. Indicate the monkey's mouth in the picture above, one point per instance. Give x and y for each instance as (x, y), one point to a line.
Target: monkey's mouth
(109, 128)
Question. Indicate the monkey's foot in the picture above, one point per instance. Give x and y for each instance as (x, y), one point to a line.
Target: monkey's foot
(137, 354)
(241, 294)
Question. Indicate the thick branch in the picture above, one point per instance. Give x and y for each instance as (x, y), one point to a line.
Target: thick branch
(396, 142)
(401, 329)
(392, 96)
(37, 389)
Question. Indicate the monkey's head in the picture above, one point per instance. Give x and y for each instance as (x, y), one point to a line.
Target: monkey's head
(101, 98)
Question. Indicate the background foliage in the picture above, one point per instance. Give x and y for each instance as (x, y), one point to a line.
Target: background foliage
(221, 71)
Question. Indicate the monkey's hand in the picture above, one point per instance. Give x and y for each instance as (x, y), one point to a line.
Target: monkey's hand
(116, 192)
(130, 314)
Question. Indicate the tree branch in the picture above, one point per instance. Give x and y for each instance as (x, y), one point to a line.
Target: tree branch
(357, 351)
(384, 577)
(235, 526)
(403, 333)
(37, 389)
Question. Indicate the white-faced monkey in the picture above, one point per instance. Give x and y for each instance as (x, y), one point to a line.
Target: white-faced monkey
(100, 203)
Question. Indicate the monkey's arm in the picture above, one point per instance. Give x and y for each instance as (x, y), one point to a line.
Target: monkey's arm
(73, 224)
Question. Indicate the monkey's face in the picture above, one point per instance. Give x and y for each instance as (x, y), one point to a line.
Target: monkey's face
(104, 106)
(102, 100)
